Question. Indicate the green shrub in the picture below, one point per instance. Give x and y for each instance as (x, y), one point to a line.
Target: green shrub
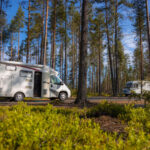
(106, 108)
(46, 127)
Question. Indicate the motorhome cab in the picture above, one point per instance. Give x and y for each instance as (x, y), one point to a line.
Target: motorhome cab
(135, 86)
(20, 80)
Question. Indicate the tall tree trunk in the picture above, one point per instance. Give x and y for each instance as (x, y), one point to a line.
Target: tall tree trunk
(109, 49)
(99, 63)
(28, 39)
(54, 35)
(1, 44)
(3, 52)
(148, 29)
(73, 60)
(77, 61)
(42, 40)
(18, 45)
(141, 60)
(99, 69)
(11, 58)
(45, 45)
(116, 47)
(82, 85)
(61, 60)
(65, 79)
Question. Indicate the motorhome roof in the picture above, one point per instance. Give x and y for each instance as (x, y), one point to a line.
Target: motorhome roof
(45, 68)
(21, 63)
(138, 81)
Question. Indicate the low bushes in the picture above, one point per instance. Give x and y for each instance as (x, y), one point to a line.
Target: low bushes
(106, 108)
(30, 127)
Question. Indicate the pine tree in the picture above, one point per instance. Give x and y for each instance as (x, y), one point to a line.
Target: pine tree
(82, 85)
(19, 23)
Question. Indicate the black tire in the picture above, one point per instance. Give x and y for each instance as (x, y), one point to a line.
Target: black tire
(19, 97)
(63, 96)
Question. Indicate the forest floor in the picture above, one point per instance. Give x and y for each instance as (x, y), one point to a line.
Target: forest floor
(107, 123)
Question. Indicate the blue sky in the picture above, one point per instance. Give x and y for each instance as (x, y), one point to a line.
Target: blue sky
(127, 29)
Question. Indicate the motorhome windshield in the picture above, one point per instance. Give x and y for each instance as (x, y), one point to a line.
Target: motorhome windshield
(131, 85)
(128, 85)
(54, 79)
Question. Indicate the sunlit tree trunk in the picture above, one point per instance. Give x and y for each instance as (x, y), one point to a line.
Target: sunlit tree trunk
(116, 47)
(11, 58)
(148, 29)
(1, 46)
(65, 77)
(42, 40)
(45, 45)
(28, 38)
(54, 36)
(109, 49)
(18, 45)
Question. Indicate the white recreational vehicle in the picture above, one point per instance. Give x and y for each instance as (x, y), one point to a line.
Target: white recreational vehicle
(19, 80)
(135, 86)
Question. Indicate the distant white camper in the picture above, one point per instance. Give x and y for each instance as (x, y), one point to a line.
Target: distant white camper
(19, 80)
(135, 86)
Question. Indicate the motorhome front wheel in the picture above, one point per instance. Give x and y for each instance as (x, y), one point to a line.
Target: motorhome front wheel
(62, 96)
(19, 97)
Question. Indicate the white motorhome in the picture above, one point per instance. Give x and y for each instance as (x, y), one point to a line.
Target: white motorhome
(20, 80)
(135, 86)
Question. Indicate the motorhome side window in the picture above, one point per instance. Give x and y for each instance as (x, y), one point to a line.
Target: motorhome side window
(10, 68)
(24, 73)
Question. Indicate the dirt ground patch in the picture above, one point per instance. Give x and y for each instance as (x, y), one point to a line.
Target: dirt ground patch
(110, 124)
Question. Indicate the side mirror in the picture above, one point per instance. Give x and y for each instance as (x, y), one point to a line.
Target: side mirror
(61, 83)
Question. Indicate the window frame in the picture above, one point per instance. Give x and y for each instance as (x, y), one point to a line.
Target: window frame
(10, 66)
(56, 79)
(26, 72)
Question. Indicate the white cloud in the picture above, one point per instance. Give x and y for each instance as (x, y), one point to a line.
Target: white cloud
(129, 44)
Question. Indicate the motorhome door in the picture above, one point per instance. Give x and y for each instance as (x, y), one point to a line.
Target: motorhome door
(45, 85)
(37, 84)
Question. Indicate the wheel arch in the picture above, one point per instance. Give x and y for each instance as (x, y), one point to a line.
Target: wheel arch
(63, 92)
(19, 92)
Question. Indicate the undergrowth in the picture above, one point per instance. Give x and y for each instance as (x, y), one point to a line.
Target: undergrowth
(46, 127)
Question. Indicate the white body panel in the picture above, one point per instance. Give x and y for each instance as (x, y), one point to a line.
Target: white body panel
(135, 86)
(20, 77)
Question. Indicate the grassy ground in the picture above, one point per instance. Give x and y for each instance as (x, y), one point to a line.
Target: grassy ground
(47, 127)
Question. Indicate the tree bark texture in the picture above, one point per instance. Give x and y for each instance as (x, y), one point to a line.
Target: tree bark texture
(45, 45)
(82, 85)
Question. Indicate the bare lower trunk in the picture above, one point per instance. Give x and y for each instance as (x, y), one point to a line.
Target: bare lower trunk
(54, 35)
(11, 58)
(1, 44)
(42, 40)
(18, 45)
(65, 79)
(148, 29)
(109, 49)
(141, 61)
(82, 85)
(116, 47)
(45, 46)
(99, 64)
(73, 61)
(61, 60)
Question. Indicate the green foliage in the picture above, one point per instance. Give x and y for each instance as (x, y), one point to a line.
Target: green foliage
(49, 128)
(106, 108)
(39, 127)
(145, 95)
